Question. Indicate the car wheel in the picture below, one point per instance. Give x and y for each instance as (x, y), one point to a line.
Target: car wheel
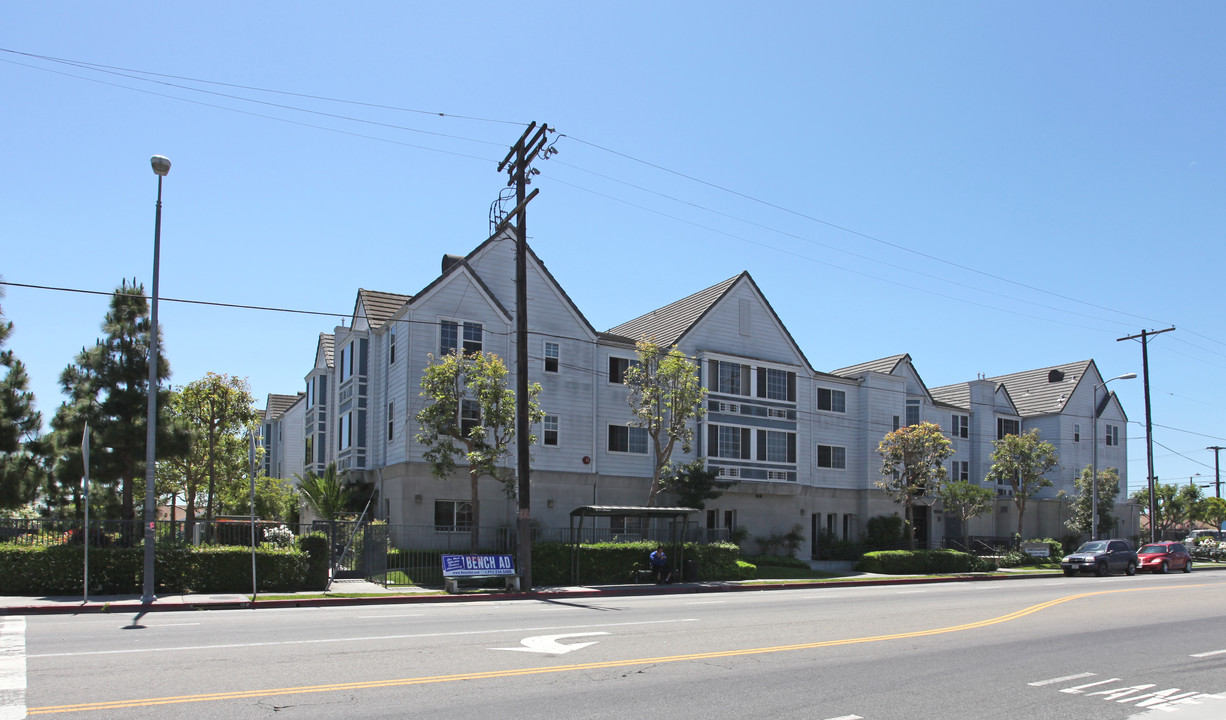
(1131, 569)
(1161, 570)
(1069, 573)
(1187, 567)
(1100, 569)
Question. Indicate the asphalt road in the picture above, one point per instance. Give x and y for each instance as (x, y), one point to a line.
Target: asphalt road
(1084, 647)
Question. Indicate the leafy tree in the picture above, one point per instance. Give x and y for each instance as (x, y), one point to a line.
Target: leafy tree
(665, 395)
(220, 412)
(965, 500)
(1022, 461)
(21, 448)
(275, 498)
(1211, 510)
(469, 421)
(1082, 503)
(327, 495)
(693, 484)
(107, 387)
(1174, 506)
(912, 460)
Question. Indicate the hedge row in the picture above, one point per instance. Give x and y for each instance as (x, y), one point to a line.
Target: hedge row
(59, 570)
(603, 563)
(913, 562)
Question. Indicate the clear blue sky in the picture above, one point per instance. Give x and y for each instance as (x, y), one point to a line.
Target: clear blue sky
(990, 187)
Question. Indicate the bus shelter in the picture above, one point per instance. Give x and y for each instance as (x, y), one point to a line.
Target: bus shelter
(677, 517)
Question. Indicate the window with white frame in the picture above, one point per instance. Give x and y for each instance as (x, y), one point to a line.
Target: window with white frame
(962, 426)
(729, 441)
(391, 348)
(831, 400)
(777, 446)
(913, 412)
(549, 430)
(627, 439)
(453, 515)
(391, 421)
(1007, 426)
(1076, 432)
(552, 357)
(776, 384)
(346, 431)
(470, 415)
(832, 456)
(728, 378)
(310, 393)
(346, 362)
(618, 367)
(455, 336)
(962, 470)
(1113, 435)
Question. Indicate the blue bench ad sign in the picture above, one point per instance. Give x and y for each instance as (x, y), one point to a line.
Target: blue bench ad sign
(478, 565)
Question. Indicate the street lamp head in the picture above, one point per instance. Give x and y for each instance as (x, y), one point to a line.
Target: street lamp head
(1125, 376)
(161, 165)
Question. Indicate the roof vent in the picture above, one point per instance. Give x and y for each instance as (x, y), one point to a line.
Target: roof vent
(450, 261)
(1055, 376)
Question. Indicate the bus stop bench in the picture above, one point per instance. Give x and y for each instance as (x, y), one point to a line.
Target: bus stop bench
(478, 567)
(452, 583)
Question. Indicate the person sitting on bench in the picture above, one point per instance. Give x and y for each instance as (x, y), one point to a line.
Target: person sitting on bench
(659, 566)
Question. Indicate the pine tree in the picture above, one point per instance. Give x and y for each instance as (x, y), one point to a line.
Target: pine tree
(107, 386)
(20, 427)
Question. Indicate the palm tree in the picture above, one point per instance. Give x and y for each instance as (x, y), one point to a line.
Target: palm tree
(326, 494)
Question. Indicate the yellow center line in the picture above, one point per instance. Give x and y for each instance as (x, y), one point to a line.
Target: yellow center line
(490, 674)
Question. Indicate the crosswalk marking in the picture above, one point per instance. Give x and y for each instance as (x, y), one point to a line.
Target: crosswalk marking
(13, 668)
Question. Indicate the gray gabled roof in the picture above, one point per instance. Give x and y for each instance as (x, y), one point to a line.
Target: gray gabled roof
(885, 366)
(278, 404)
(380, 306)
(666, 325)
(1043, 391)
(326, 343)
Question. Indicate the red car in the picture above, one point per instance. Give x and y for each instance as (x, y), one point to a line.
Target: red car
(1161, 557)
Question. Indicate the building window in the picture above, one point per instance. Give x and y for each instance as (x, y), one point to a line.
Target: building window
(308, 443)
(453, 515)
(727, 441)
(391, 421)
(618, 367)
(1113, 435)
(459, 337)
(391, 348)
(776, 384)
(346, 431)
(730, 378)
(831, 400)
(549, 435)
(962, 470)
(552, 357)
(962, 426)
(470, 416)
(897, 422)
(777, 446)
(832, 456)
(913, 412)
(346, 362)
(1006, 426)
(1076, 433)
(628, 439)
(310, 394)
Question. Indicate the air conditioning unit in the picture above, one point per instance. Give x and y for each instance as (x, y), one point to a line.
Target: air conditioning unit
(776, 413)
(729, 408)
(776, 475)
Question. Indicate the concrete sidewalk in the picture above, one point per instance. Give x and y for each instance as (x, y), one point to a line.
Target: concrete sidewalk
(340, 591)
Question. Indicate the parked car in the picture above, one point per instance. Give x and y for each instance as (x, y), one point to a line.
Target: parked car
(1160, 557)
(1101, 557)
(1196, 535)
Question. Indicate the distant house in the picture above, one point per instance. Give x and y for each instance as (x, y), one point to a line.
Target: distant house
(800, 444)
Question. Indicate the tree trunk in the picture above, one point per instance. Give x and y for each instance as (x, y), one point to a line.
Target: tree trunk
(910, 530)
(475, 532)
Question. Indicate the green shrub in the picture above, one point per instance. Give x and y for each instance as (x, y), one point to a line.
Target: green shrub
(884, 530)
(315, 545)
(913, 562)
(745, 570)
(613, 563)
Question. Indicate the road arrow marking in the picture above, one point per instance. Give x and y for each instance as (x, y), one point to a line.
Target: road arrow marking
(550, 644)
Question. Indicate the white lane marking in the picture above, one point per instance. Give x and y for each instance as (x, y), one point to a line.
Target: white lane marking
(846, 717)
(549, 643)
(1081, 688)
(1210, 653)
(707, 602)
(13, 668)
(1078, 676)
(356, 639)
(910, 592)
(380, 617)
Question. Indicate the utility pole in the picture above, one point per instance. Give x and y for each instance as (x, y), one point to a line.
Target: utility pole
(1217, 469)
(517, 164)
(1149, 426)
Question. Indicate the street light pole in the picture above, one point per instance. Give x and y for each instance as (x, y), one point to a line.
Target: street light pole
(161, 166)
(1217, 469)
(1094, 466)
